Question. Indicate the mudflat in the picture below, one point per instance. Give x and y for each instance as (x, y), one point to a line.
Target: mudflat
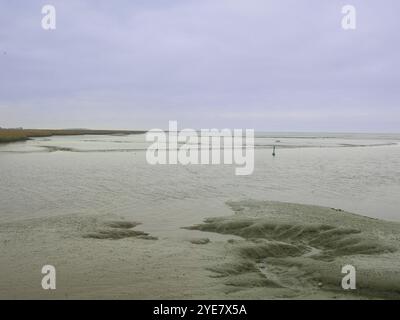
(270, 250)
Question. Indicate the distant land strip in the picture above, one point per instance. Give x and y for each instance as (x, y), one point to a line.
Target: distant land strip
(14, 135)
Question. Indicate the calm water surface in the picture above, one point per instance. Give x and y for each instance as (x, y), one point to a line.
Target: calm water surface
(109, 175)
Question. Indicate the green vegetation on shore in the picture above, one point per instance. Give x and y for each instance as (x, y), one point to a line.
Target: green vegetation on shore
(13, 135)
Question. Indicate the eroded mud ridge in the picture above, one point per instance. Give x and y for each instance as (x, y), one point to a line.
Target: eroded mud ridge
(115, 230)
(297, 246)
(268, 239)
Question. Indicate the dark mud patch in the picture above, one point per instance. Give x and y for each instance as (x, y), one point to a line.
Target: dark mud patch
(298, 248)
(292, 239)
(242, 274)
(199, 241)
(121, 224)
(55, 149)
(115, 230)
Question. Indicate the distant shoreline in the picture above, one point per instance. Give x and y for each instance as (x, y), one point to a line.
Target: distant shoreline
(15, 135)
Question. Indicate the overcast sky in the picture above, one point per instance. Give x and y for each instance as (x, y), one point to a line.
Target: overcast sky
(281, 65)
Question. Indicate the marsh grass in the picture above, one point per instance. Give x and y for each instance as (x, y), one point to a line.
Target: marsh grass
(13, 135)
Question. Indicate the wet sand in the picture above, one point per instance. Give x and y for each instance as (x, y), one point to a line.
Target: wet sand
(270, 250)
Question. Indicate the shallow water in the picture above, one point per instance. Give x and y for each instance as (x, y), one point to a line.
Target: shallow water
(109, 175)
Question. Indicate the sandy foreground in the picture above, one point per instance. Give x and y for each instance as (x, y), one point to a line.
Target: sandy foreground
(269, 250)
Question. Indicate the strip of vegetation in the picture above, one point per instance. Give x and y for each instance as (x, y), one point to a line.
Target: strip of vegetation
(13, 135)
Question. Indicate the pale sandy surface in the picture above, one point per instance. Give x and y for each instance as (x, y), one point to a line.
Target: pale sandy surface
(269, 250)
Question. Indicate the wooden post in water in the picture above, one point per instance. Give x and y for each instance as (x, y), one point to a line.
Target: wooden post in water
(273, 152)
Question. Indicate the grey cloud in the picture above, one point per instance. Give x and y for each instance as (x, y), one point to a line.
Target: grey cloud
(138, 64)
